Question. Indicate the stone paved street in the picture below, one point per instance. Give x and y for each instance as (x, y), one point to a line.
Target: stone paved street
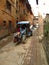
(12, 54)
(36, 54)
(30, 53)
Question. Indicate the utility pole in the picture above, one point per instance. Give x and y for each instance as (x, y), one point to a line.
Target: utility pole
(37, 2)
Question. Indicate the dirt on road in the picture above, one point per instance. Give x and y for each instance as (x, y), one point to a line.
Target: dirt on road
(31, 53)
(36, 54)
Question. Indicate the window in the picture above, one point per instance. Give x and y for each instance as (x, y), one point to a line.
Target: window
(17, 17)
(4, 23)
(12, 1)
(16, 3)
(10, 25)
(16, 11)
(19, 7)
(8, 5)
(24, 11)
(44, 21)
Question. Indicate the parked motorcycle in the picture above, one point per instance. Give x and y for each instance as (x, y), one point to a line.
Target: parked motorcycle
(17, 37)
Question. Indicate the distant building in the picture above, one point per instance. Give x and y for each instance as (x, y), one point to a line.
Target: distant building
(40, 21)
(36, 18)
(46, 19)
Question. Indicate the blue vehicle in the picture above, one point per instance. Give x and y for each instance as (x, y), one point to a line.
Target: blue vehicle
(24, 30)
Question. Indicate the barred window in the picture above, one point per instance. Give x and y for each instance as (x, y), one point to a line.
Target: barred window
(8, 5)
(24, 11)
(16, 3)
(4, 23)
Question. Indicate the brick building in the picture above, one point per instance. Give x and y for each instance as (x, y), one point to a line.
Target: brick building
(7, 16)
(11, 12)
(25, 11)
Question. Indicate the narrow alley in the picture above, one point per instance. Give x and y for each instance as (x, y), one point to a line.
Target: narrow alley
(24, 25)
(30, 53)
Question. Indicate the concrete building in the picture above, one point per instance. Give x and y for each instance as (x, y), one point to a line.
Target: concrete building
(46, 19)
(36, 18)
(40, 21)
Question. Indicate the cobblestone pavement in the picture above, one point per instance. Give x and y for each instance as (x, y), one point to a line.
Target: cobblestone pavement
(6, 41)
(36, 54)
(12, 54)
(30, 53)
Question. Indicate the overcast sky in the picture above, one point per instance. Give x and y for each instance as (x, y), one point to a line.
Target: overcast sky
(42, 7)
